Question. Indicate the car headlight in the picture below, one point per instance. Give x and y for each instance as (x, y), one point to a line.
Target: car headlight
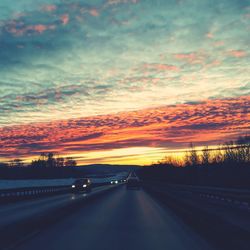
(84, 185)
(116, 182)
(73, 186)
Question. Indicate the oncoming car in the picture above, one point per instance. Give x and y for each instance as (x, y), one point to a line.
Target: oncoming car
(82, 185)
(133, 183)
(113, 182)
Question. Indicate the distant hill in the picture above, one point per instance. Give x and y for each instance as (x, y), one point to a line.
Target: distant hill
(107, 168)
(12, 173)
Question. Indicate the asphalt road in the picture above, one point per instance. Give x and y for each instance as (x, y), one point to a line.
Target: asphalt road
(120, 220)
(23, 210)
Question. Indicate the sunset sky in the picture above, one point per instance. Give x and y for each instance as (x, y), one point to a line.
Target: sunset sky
(122, 81)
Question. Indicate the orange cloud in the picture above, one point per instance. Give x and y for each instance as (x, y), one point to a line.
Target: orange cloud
(209, 122)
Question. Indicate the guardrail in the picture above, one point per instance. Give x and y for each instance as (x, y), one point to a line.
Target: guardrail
(235, 197)
(17, 194)
(17, 226)
(222, 223)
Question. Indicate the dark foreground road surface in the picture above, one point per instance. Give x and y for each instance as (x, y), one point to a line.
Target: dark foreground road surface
(120, 220)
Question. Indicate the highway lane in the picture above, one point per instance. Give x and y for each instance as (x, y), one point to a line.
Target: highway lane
(120, 220)
(24, 210)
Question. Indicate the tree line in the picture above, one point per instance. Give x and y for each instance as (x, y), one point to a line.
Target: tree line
(237, 152)
(45, 160)
(228, 165)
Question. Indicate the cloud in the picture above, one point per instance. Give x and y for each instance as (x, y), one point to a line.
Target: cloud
(64, 19)
(160, 67)
(94, 12)
(116, 2)
(79, 59)
(49, 8)
(207, 122)
(192, 58)
(237, 53)
(209, 35)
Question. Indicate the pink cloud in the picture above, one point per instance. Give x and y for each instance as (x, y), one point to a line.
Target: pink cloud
(218, 43)
(16, 32)
(64, 19)
(37, 28)
(40, 28)
(237, 53)
(94, 12)
(18, 15)
(49, 8)
(192, 58)
(214, 63)
(188, 56)
(247, 16)
(161, 67)
(113, 2)
(209, 35)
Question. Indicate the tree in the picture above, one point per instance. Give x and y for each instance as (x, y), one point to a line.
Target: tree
(59, 162)
(191, 157)
(170, 160)
(41, 162)
(51, 162)
(205, 157)
(17, 163)
(70, 162)
(3, 165)
(218, 156)
(230, 153)
(187, 161)
(43, 157)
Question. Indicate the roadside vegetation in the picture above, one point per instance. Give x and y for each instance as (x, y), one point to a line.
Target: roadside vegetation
(45, 160)
(48, 165)
(228, 165)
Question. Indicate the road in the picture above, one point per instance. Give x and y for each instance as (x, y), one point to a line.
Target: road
(24, 210)
(120, 220)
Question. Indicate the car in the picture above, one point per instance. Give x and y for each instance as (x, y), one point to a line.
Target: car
(113, 182)
(133, 183)
(81, 185)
